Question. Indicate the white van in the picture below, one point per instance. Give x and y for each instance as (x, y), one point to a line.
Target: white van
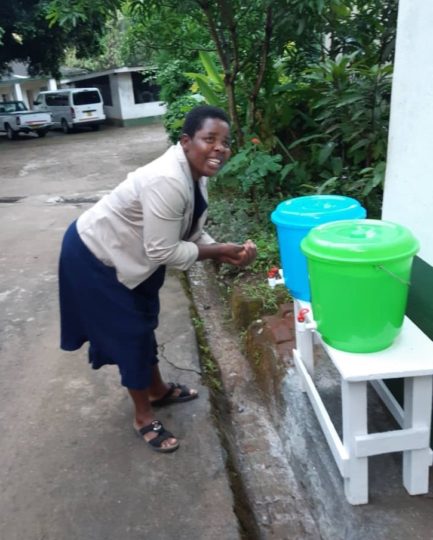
(73, 107)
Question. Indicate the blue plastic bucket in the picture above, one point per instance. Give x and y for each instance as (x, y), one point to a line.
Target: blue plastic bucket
(293, 219)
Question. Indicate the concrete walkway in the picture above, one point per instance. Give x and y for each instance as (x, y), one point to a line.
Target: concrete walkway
(71, 467)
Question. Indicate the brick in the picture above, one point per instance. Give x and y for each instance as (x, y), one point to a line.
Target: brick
(285, 310)
(285, 351)
(278, 330)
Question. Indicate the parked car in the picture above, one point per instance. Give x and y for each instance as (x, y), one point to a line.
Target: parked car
(73, 107)
(16, 118)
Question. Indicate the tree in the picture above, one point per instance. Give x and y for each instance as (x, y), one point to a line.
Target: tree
(27, 36)
(310, 78)
(244, 36)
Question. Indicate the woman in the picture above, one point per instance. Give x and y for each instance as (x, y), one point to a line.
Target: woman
(113, 261)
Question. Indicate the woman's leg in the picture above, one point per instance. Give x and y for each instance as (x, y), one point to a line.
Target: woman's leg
(144, 416)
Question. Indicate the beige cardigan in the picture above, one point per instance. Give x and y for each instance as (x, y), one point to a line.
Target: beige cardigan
(144, 222)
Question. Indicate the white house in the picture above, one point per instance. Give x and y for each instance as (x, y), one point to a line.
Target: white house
(19, 85)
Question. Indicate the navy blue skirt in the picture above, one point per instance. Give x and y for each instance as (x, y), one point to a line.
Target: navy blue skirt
(117, 322)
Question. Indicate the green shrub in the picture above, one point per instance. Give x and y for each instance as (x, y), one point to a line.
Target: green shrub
(175, 115)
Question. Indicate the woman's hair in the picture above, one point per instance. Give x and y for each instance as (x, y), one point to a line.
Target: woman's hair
(194, 120)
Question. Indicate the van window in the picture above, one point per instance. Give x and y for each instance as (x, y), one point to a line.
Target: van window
(87, 97)
(56, 100)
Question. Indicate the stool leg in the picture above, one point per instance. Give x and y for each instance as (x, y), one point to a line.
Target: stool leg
(417, 413)
(354, 408)
(304, 343)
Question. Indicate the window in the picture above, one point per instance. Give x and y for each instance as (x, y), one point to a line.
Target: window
(12, 106)
(56, 100)
(87, 97)
(102, 84)
(145, 90)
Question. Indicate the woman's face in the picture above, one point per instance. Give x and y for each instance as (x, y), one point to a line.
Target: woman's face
(208, 149)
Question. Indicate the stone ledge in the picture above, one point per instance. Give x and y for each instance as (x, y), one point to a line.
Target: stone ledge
(268, 346)
(277, 502)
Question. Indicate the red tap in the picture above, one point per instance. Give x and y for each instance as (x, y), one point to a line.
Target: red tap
(273, 272)
(302, 314)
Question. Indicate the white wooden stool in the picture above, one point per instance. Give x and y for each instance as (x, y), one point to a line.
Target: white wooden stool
(410, 358)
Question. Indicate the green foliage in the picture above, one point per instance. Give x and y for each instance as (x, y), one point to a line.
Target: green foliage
(270, 298)
(211, 85)
(253, 170)
(207, 362)
(111, 46)
(339, 129)
(175, 116)
(234, 219)
(172, 80)
(28, 37)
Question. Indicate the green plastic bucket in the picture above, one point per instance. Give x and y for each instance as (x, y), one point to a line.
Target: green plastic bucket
(359, 273)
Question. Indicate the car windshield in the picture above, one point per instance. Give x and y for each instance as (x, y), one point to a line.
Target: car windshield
(12, 106)
(87, 97)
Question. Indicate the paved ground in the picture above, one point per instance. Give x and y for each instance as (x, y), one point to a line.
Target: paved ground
(70, 465)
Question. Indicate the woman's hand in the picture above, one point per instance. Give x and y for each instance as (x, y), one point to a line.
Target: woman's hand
(238, 254)
(250, 252)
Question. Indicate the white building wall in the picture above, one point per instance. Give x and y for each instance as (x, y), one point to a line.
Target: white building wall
(143, 110)
(126, 94)
(115, 110)
(124, 106)
(31, 89)
(408, 197)
(130, 109)
(18, 92)
(26, 91)
(52, 84)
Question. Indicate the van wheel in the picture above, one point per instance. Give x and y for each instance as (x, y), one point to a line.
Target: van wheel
(11, 134)
(41, 132)
(95, 127)
(65, 127)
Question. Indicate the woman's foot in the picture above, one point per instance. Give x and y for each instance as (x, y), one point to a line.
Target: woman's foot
(145, 425)
(162, 393)
(171, 393)
(158, 438)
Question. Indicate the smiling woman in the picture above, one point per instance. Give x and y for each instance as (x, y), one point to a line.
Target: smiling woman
(113, 261)
(208, 148)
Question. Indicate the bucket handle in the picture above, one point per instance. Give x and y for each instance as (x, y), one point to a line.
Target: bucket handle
(398, 278)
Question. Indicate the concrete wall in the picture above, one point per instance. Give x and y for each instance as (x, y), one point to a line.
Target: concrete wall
(408, 197)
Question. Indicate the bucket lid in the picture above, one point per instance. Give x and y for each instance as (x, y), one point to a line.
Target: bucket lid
(313, 210)
(359, 240)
